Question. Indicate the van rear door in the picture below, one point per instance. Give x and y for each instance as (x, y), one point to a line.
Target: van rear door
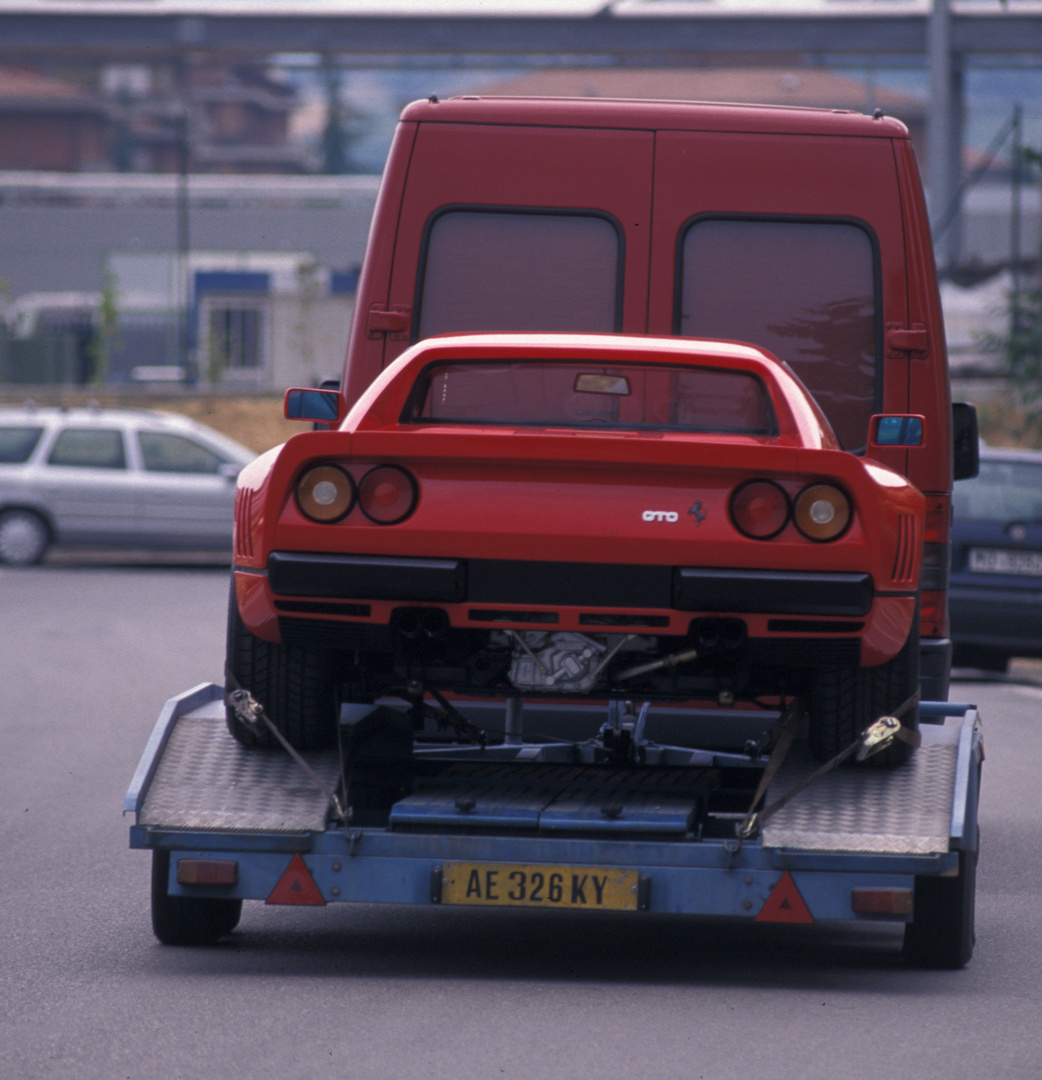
(530, 228)
(793, 243)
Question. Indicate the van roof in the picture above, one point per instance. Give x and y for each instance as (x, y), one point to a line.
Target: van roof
(653, 115)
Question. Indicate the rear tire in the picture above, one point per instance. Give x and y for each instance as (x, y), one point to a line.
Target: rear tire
(298, 689)
(845, 701)
(188, 920)
(24, 538)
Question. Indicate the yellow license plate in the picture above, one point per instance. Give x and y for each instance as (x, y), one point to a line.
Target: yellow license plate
(526, 885)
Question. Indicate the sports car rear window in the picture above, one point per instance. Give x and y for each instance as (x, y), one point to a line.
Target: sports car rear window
(591, 395)
(510, 270)
(18, 443)
(804, 290)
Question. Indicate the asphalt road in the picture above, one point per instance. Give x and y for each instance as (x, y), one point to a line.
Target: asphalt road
(88, 654)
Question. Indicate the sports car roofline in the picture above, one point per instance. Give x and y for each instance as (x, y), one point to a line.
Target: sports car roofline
(799, 417)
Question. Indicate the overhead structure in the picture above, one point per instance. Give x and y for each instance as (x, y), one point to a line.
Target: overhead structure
(632, 31)
(941, 33)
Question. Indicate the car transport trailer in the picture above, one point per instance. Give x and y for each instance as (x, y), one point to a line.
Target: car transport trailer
(445, 803)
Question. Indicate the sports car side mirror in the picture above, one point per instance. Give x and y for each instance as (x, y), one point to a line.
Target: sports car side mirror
(896, 429)
(321, 406)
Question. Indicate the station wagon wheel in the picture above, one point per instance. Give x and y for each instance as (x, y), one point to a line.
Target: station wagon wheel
(845, 700)
(298, 689)
(188, 920)
(24, 537)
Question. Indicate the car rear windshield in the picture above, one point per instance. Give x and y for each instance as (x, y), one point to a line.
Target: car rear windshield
(804, 290)
(1002, 491)
(18, 443)
(588, 394)
(511, 270)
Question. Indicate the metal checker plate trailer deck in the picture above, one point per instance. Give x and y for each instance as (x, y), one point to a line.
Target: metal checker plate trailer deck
(531, 825)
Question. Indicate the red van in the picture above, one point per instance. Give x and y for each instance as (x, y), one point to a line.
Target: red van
(802, 232)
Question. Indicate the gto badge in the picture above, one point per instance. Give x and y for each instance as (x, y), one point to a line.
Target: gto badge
(660, 515)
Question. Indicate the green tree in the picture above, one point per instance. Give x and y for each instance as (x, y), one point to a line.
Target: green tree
(105, 340)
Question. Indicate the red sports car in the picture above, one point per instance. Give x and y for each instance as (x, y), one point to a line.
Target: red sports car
(577, 516)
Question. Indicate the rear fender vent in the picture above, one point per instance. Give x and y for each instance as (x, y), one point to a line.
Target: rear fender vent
(243, 515)
(907, 541)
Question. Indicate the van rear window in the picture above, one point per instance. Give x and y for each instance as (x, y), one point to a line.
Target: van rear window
(585, 394)
(520, 271)
(804, 290)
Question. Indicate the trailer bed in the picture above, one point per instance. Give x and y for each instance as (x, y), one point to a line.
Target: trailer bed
(486, 826)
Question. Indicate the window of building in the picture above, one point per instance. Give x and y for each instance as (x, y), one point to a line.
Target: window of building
(234, 337)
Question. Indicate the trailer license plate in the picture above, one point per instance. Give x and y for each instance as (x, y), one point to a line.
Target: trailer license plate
(526, 885)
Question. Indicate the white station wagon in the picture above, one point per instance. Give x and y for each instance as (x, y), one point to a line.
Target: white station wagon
(113, 478)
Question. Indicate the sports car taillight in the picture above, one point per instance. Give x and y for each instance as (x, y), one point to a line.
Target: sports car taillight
(387, 494)
(760, 509)
(325, 493)
(821, 512)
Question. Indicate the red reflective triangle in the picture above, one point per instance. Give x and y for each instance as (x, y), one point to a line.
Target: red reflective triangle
(296, 886)
(785, 905)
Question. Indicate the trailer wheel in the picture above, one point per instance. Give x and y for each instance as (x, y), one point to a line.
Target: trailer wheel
(188, 920)
(299, 690)
(941, 933)
(844, 701)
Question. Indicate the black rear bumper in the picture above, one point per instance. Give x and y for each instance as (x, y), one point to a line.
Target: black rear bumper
(603, 585)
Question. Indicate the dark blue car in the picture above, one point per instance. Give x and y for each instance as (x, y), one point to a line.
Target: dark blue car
(996, 573)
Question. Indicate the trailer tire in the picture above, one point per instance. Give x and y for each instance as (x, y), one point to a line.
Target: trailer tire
(299, 690)
(188, 920)
(845, 700)
(942, 932)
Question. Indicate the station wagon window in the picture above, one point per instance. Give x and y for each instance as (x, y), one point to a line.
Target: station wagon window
(18, 443)
(585, 394)
(165, 452)
(803, 290)
(520, 271)
(89, 448)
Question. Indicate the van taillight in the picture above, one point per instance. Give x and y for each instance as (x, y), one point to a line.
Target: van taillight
(933, 582)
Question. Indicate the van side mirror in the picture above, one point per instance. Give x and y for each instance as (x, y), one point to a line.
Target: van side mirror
(965, 440)
(889, 430)
(321, 406)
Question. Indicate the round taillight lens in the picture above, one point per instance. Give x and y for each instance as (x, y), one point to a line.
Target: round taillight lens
(387, 494)
(821, 512)
(325, 493)
(760, 509)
